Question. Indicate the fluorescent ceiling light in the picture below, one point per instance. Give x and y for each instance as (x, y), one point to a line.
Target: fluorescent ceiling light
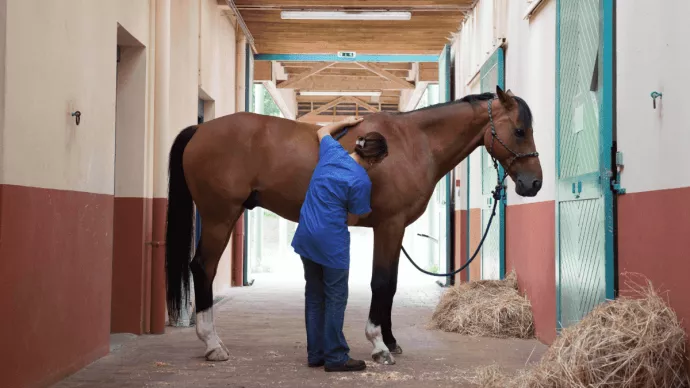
(371, 94)
(345, 15)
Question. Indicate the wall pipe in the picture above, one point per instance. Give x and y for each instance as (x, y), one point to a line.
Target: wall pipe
(243, 26)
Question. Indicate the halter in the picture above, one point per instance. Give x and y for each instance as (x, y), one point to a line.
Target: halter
(516, 155)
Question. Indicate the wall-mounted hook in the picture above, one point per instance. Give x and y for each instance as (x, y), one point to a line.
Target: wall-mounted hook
(77, 116)
(655, 95)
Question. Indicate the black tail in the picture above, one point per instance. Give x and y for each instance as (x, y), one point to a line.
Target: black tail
(178, 233)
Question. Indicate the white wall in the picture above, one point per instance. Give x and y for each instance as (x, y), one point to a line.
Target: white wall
(53, 68)
(652, 56)
(529, 73)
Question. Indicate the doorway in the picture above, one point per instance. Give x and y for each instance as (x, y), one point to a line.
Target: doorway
(131, 269)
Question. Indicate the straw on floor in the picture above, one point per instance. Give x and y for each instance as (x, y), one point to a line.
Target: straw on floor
(630, 342)
(487, 308)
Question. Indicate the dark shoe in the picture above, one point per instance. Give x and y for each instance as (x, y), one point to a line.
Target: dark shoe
(318, 364)
(350, 366)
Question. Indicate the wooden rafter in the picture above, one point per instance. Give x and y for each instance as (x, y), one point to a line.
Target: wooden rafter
(350, 83)
(290, 83)
(325, 107)
(278, 99)
(361, 103)
(332, 105)
(415, 96)
(386, 74)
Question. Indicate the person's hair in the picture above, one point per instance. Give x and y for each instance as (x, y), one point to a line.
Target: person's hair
(372, 147)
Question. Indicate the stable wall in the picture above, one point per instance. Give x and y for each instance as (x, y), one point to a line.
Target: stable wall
(75, 209)
(529, 73)
(57, 183)
(654, 214)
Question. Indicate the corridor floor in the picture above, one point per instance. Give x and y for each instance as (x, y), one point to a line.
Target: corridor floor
(263, 327)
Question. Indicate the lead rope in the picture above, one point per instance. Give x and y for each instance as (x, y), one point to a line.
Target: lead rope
(497, 193)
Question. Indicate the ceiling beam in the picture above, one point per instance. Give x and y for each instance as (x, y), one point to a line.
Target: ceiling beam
(351, 65)
(388, 58)
(278, 98)
(324, 108)
(417, 5)
(292, 81)
(315, 115)
(345, 83)
(386, 74)
(416, 96)
(362, 104)
(368, 100)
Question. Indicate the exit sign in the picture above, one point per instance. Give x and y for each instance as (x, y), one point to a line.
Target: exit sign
(347, 54)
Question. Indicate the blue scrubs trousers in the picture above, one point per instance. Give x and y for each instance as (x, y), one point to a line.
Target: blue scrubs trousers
(325, 293)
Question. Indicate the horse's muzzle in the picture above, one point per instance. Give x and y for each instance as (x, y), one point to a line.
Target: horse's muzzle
(527, 186)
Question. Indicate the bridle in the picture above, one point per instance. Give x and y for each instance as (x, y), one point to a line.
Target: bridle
(516, 155)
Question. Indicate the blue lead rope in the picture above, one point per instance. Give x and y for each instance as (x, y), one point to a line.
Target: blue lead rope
(342, 133)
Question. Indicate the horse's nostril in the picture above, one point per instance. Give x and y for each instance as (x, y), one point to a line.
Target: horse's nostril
(536, 184)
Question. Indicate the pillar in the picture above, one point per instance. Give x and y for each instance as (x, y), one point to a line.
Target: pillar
(237, 278)
(160, 164)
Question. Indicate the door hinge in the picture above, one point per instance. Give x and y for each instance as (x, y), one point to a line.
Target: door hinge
(616, 183)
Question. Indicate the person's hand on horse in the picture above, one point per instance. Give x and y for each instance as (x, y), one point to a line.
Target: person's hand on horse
(330, 129)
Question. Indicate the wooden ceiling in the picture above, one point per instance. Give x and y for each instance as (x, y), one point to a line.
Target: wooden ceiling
(429, 29)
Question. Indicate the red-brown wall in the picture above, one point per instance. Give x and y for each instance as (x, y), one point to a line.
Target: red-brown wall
(131, 275)
(56, 248)
(654, 241)
(530, 250)
(475, 237)
(460, 245)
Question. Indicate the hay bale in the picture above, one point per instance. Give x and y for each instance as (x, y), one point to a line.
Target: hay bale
(487, 308)
(629, 342)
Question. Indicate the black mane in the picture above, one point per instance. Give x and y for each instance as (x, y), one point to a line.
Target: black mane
(524, 112)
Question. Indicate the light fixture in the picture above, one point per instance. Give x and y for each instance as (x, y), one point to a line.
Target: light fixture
(354, 93)
(346, 15)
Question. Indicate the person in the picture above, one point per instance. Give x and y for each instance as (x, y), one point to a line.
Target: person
(338, 195)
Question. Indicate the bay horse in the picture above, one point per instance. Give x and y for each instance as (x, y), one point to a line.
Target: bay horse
(244, 160)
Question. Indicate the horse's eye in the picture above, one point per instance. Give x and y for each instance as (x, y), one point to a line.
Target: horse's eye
(520, 132)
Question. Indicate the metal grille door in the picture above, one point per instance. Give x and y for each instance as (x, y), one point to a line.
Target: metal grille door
(584, 205)
(493, 257)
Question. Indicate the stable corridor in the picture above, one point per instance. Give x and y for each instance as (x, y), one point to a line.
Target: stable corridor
(263, 327)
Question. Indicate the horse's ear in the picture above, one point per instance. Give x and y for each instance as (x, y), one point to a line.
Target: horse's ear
(504, 97)
(508, 92)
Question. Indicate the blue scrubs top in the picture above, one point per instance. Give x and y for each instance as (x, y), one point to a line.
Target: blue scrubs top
(338, 185)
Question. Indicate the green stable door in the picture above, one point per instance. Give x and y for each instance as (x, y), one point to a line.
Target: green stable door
(493, 249)
(584, 199)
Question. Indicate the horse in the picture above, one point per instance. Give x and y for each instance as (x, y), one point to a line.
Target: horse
(243, 160)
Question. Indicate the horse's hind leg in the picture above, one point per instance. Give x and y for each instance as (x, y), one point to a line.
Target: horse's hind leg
(215, 234)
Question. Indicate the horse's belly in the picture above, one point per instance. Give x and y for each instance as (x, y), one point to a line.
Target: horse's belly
(283, 207)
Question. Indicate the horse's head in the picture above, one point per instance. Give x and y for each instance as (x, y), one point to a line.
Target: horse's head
(509, 138)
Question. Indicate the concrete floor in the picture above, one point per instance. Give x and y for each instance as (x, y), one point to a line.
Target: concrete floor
(263, 327)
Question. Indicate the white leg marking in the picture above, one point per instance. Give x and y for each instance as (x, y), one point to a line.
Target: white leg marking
(380, 354)
(206, 331)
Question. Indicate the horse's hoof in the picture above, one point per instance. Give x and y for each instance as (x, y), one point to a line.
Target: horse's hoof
(395, 349)
(383, 357)
(217, 354)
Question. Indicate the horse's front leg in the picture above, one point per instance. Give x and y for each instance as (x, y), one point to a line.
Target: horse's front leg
(387, 242)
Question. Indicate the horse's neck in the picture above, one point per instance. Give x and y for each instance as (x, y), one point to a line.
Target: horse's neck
(453, 132)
